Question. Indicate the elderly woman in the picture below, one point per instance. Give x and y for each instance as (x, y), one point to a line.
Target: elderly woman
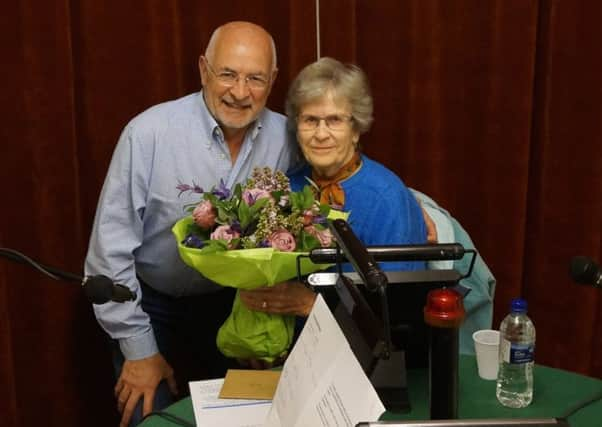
(329, 105)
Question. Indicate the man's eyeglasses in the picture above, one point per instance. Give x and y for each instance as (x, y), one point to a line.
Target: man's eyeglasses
(229, 78)
(333, 122)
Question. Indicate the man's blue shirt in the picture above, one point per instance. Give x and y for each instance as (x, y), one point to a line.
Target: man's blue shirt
(171, 143)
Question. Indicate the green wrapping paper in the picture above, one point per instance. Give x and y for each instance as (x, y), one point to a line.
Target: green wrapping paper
(246, 333)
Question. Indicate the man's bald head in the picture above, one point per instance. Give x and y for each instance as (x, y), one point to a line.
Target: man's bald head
(237, 32)
(237, 73)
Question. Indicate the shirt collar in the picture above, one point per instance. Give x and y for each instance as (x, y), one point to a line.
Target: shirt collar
(209, 121)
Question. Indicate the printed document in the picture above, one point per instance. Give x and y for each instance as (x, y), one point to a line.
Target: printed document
(322, 383)
(210, 411)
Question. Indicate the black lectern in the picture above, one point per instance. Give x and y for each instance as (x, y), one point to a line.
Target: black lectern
(379, 312)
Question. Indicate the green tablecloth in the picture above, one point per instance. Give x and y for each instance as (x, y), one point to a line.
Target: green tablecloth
(556, 393)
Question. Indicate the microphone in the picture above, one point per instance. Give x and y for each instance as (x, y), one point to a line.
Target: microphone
(423, 252)
(100, 289)
(358, 256)
(585, 271)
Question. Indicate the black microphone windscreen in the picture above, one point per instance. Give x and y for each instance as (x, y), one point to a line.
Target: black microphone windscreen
(584, 270)
(98, 289)
(122, 293)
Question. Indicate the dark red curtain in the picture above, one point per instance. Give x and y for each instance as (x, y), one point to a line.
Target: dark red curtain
(492, 108)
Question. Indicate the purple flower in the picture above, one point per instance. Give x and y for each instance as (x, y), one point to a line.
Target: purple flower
(264, 244)
(235, 226)
(222, 192)
(251, 195)
(319, 219)
(185, 187)
(193, 241)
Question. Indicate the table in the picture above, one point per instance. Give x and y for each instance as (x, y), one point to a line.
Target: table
(556, 392)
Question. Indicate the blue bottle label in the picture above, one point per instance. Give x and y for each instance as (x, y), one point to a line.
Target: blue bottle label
(517, 353)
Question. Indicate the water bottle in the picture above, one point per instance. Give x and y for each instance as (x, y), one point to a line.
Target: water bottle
(514, 386)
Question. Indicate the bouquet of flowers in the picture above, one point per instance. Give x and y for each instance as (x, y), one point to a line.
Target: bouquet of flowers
(249, 237)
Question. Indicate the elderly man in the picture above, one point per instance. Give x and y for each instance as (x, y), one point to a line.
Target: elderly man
(220, 133)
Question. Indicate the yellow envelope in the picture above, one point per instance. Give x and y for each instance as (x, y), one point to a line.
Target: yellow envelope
(249, 384)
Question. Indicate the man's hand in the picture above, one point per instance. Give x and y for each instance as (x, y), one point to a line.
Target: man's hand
(290, 297)
(431, 229)
(139, 379)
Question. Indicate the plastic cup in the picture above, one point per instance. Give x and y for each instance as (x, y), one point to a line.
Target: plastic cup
(486, 345)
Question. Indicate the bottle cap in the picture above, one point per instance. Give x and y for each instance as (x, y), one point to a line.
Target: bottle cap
(518, 305)
(444, 308)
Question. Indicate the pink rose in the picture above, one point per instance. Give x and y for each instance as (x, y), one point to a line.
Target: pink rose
(323, 236)
(224, 232)
(251, 195)
(283, 241)
(204, 214)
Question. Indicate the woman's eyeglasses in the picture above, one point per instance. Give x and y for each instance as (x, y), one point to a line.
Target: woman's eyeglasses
(332, 121)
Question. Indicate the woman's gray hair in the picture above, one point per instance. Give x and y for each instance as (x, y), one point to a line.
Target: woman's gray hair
(347, 82)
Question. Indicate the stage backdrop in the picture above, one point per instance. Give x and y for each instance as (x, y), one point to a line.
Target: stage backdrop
(493, 108)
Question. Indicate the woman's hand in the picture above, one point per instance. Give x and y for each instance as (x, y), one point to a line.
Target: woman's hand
(290, 297)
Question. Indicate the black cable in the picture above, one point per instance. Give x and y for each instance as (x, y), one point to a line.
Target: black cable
(579, 406)
(169, 417)
(52, 272)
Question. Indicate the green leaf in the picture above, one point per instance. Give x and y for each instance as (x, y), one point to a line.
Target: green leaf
(277, 195)
(308, 197)
(324, 210)
(215, 246)
(258, 206)
(306, 242)
(244, 214)
(193, 228)
(224, 215)
(237, 192)
(211, 197)
(294, 199)
(302, 200)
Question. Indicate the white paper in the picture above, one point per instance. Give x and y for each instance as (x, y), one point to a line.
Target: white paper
(210, 411)
(322, 383)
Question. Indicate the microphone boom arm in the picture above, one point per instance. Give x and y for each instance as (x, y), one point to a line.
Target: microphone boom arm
(369, 271)
(98, 289)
